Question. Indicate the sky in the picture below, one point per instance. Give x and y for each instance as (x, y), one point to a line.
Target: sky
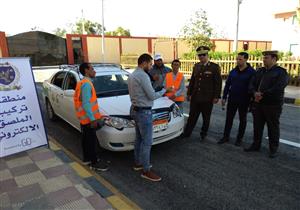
(146, 17)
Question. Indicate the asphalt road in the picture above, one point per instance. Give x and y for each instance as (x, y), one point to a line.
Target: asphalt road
(205, 175)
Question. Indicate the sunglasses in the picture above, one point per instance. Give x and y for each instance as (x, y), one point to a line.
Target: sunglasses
(202, 54)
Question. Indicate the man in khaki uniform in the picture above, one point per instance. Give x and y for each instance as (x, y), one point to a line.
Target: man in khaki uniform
(204, 90)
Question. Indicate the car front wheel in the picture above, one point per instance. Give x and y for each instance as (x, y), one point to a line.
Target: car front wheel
(50, 112)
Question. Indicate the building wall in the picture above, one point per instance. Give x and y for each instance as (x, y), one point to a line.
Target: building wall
(222, 46)
(132, 46)
(182, 48)
(252, 46)
(3, 45)
(111, 47)
(291, 36)
(165, 48)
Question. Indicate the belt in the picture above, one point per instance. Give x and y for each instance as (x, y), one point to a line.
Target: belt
(137, 108)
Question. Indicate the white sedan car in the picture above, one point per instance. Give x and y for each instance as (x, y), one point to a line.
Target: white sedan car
(118, 133)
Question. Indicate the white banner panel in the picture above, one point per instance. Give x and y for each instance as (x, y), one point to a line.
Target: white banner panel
(21, 123)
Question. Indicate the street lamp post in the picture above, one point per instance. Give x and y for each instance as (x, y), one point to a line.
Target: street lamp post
(103, 42)
(237, 25)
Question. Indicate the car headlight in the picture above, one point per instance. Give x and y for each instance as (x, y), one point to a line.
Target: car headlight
(119, 123)
(176, 111)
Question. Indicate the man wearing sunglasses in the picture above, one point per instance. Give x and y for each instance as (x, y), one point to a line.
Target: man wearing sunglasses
(204, 90)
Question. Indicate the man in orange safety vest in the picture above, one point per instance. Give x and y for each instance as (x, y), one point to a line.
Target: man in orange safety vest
(175, 79)
(87, 111)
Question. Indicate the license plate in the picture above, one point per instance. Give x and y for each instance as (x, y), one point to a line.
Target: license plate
(160, 125)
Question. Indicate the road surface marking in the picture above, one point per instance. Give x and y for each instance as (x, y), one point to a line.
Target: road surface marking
(292, 105)
(291, 143)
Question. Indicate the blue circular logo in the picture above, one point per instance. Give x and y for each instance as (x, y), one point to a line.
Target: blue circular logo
(7, 75)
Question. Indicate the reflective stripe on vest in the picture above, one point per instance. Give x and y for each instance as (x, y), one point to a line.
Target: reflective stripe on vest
(80, 112)
(175, 84)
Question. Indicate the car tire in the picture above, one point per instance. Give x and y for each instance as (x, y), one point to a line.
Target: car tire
(50, 112)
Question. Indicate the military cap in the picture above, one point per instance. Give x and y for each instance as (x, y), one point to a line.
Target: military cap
(270, 52)
(202, 50)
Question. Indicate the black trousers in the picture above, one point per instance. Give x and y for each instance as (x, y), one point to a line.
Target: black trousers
(267, 114)
(90, 144)
(196, 108)
(232, 108)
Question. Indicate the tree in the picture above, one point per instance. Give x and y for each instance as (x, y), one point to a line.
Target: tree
(119, 32)
(197, 31)
(84, 26)
(60, 32)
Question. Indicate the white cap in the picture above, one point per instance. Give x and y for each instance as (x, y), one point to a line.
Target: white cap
(157, 57)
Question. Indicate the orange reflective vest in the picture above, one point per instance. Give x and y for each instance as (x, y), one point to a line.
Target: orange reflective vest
(80, 112)
(175, 84)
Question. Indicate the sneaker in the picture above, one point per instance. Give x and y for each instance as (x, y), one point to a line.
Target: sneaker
(99, 166)
(138, 167)
(150, 176)
(223, 140)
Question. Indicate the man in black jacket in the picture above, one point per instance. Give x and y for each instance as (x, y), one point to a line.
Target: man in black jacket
(267, 87)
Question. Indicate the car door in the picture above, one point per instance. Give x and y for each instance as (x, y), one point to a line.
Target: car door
(68, 110)
(56, 92)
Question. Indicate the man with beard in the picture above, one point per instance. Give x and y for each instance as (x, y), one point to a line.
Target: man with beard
(158, 72)
(142, 96)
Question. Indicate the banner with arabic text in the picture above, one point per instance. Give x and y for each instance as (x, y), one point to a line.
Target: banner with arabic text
(21, 123)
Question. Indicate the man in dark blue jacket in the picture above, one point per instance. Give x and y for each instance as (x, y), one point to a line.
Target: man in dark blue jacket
(267, 86)
(236, 92)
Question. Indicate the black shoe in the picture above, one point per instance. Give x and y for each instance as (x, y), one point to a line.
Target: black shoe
(251, 149)
(273, 154)
(203, 135)
(99, 166)
(184, 135)
(238, 142)
(223, 140)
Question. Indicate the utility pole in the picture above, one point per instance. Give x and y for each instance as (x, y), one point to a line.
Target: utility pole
(82, 21)
(103, 42)
(237, 26)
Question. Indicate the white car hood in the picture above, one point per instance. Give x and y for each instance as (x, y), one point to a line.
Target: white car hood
(120, 105)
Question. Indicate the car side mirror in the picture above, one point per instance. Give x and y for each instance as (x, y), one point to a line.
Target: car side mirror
(69, 93)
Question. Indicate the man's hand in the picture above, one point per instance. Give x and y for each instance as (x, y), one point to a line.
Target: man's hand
(169, 89)
(188, 98)
(258, 96)
(215, 100)
(155, 77)
(223, 102)
(172, 97)
(94, 124)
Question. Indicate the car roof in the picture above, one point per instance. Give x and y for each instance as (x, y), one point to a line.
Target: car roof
(100, 68)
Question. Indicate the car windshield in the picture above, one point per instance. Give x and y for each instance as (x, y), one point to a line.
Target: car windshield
(111, 85)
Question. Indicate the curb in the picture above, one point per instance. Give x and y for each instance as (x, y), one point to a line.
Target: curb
(295, 101)
(115, 198)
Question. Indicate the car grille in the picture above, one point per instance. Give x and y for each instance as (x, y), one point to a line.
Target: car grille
(162, 115)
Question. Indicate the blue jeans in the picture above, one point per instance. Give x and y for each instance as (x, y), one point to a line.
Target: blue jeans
(143, 137)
